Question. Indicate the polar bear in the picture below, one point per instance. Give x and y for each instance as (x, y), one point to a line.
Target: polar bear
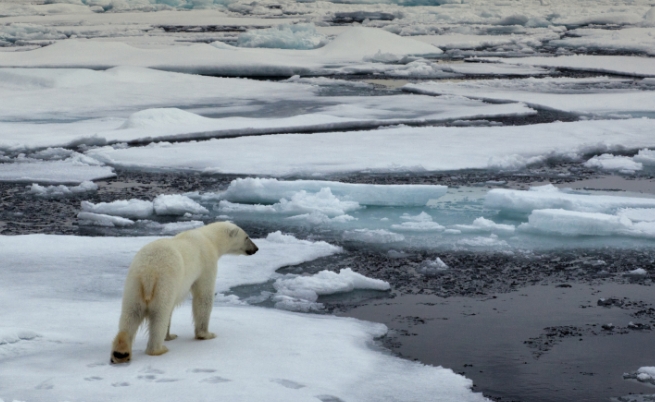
(161, 276)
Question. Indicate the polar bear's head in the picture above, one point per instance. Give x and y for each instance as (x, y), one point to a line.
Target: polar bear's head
(240, 243)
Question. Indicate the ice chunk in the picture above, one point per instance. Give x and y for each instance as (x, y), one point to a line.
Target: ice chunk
(275, 251)
(95, 219)
(170, 228)
(574, 223)
(319, 218)
(301, 202)
(483, 242)
(482, 224)
(66, 171)
(284, 36)
(61, 190)
(372, 236)
(638, 214)
(162, 117)
(326, 282)
(625, 65)
(637, 272)
(133, 208)
(177, 204)
(269, 191)
(524, 202)
(433, 268)
(646, 157)
(612, 162)
(419, 223)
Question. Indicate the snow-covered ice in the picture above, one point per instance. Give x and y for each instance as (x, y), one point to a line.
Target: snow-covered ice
(598, 95)
(61, 190)
(431, 148)
(139, 209)
(177, 204)
(268, 191)
(64, 171)
(549, 197)
(622, 65)
(300, 293)
(259, 354)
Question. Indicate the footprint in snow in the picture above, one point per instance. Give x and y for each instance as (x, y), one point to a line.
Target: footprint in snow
(94, 378)
(215, 380)
(148, 377)
(150, 370)
(288, 383)
(45, 385)
(120, 384)
(202, 370)
(167, 380)
(329, 398)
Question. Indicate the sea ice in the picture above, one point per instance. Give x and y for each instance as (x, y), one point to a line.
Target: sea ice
(524, 202)
(579, 95)
(482, 224)
(385, 150)
(269, 191)
(177, 204)
(62, 171)
(613, 162)
(284, 36)
(328, 282)
(422, 222)
(138, 209)
(623, 65)
(351, 46)
(646, 157)
(95, 219)
(61, 190)
(575, 223)
(301, 202)
(375, 236)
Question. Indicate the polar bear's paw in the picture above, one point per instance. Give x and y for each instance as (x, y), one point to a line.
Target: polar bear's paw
(121, 350)
(170, 337)
(157, 352)
(205, 335)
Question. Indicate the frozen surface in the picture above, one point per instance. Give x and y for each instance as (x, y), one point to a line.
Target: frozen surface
(574, 223)
(268, 191)
(259, 353)
(431, 149)
(285, 36)
(61, 190)
(549, 197)
(622, 65)
(612, 162)
(600, 95)
(640, 40)
(176, 204)
(134, 208)
(276, 251)
(353, 45)
(95, 219)
(300, 293)
(62, 171)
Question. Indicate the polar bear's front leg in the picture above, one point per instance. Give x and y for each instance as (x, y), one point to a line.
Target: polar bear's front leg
(203, 301)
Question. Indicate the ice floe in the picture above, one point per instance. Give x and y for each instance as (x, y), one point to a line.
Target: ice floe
(176, 204)
(622, 65)
(352, 46)
(139, 209)
(61, 171)
(268, 191)
(386, 150)
(584, 95)
(300, 293)
(549, 197)
(61, 190)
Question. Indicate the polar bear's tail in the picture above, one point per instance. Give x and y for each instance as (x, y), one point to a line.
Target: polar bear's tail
(148, 285)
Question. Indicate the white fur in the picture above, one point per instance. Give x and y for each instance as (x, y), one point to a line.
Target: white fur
(161, 276)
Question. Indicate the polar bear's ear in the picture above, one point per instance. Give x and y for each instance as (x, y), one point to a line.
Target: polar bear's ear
(233, 232)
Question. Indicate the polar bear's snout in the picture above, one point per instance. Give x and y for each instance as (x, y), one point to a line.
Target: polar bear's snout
(251, 248)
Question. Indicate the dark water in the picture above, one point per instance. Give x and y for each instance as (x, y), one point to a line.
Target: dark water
(484, 339)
